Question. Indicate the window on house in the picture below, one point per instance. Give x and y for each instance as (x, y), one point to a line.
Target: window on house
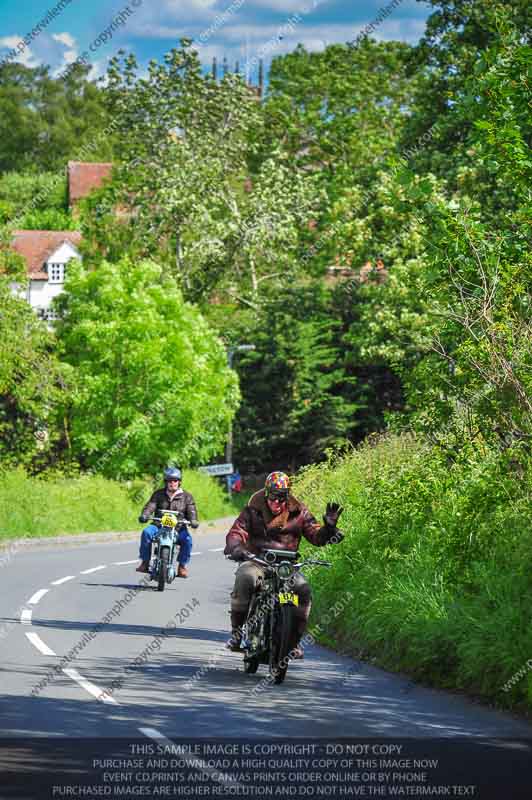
(47, 314)
(56, 273)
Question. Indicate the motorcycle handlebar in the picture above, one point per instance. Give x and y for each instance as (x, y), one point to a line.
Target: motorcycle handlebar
(181, 520)
(259, 561)
(298, 564)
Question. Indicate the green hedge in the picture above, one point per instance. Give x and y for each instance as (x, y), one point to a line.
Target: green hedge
(437, 557)
(31, 507)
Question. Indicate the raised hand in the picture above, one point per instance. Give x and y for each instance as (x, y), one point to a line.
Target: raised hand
(332, 514)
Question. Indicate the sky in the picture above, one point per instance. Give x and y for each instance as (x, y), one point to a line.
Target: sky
(238, 30)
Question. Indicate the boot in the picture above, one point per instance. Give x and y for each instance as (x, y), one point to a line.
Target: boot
(182, 572)
(237, 620)
(143, 566)
(299, 629)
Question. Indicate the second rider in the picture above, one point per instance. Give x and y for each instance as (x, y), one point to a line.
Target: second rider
(171, 498)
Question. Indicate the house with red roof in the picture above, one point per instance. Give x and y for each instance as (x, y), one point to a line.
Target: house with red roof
(46, 254)
(83, 177)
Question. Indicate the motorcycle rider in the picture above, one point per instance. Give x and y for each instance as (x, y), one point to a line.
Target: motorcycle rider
(171, 498)
(274, 519)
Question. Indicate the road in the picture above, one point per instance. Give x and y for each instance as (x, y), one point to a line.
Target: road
(159, 671)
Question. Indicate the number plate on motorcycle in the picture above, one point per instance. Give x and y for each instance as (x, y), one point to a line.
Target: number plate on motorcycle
(168, 520)
(289, 597)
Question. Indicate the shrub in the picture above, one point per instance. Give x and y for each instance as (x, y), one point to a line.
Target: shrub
(437, 559)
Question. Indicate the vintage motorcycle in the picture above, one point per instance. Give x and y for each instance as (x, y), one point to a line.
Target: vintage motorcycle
(268, 630)
(164, 548)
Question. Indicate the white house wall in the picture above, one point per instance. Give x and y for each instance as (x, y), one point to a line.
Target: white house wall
(42, 293)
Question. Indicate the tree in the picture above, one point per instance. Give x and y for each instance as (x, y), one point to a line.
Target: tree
(18, 189)
(297, 400)
(339, 113)
(448, 60)
(45, 120)
(482, 275)
(31, 387)
(49, 219)
(454, 317)
(340, 108)
(151, 380)
(186, 147)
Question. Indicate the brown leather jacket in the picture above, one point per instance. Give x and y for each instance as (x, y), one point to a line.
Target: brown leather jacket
(160, 501)
(256, 528)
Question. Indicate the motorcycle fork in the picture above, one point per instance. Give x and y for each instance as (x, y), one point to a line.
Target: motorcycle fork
(171, 556)
(154, 558)
(265, 608)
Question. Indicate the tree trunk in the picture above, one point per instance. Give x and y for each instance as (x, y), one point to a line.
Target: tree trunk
(254, 281)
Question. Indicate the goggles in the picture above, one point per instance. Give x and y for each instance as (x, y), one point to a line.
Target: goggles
(279, 495)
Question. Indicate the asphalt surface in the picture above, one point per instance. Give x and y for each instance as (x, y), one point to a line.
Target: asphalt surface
(159, 666)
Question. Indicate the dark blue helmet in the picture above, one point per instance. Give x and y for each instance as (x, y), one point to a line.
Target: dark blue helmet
(172, 474)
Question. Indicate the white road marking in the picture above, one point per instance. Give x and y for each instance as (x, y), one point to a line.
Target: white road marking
(151, 733)
(25, 616)
(34, 599)
(63, 580)
(92, 569)
(124, 563)
(197, 553)
(216, 549)
(214, 774)
(89, 687)
(39, 644)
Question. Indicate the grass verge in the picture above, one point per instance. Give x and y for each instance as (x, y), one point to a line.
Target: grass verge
(31, 507)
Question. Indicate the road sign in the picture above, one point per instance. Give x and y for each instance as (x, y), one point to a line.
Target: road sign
(218, 469)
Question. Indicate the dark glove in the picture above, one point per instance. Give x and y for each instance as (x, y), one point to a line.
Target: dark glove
(194, 523)
(239, 553)
(332, 514)
(142, 518)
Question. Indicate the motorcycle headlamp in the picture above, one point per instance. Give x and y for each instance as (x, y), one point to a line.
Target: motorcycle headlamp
(285, 570)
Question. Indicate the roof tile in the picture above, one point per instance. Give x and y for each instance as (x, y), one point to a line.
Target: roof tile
(84, 176)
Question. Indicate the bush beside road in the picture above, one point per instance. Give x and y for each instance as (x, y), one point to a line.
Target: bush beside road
(33, 507)
(437, 558)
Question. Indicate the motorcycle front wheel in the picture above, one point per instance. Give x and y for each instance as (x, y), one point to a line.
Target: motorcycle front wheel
(281, 637)
(163, 568)
(251, 665)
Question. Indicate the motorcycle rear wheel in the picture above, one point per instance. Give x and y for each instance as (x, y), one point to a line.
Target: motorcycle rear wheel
(281, 638)
(163, 568)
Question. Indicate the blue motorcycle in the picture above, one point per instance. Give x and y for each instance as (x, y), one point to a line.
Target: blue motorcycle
(164, 547)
